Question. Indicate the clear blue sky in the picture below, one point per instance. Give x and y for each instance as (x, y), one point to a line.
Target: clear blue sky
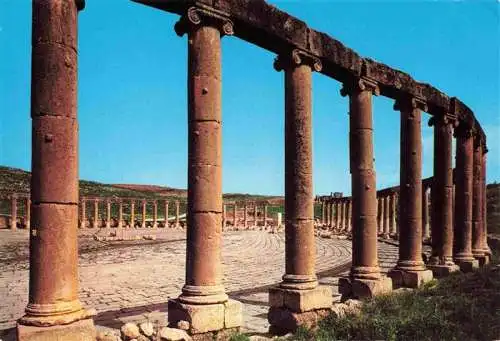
(132, 90)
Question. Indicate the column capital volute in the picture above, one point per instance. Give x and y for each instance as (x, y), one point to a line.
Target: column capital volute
(196, 16)
(358, 84)
(408, 103)
(295, 58)
(443, 119)
(464, 130)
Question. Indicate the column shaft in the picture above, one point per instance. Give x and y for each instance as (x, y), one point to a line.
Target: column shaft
(442, 191)
(166, 214)
(27, 219)
(96, 214)
(13, 212)
(235, 214)
(132, 214)
(425, 214)
(387, 210)
(484, 205)
(143, 216)
(204, 212)
(177, 214)
(120, 214)
(410, 204)
(155, 214)
(83, 219)
(108, 214)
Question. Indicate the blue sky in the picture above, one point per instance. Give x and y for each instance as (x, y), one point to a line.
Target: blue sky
(132, 90)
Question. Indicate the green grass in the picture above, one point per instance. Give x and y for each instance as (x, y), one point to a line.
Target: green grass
(459, 307)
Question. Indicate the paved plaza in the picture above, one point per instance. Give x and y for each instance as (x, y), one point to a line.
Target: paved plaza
(132, 280)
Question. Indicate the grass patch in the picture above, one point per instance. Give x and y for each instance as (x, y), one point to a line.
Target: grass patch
(459, 307)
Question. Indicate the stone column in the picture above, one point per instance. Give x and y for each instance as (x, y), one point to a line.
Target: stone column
(265, 215)
(108, 213)
(155, 214)
(177, 214)
(462, 234)
(255, 214)
(203, 301)
(410, 270)
(120, 214)
(54, 311)
(323, 213)
(166, 214)
(484, 225)
(441, 261)
(27, 216)
(477, 197)
(341, 215)
(143, 216)
(327, 214)
(83, 218)
(387, 212)
(394, 231)
(365, 279)
(13, 212)
(245, 218)
(298, 297)
(224, 217)
(96, 222)
(425, 215)
(380, 215)
(132, 214)
(337, 214)
(235, 214)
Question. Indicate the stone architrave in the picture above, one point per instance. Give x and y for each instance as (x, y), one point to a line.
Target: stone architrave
(365, 278)
(462, 234)
(132, 214)
(441, 260)
(410, 270)
(54, 311)
(203, 301)
(13, 212)
(299, 294)
(83, 212)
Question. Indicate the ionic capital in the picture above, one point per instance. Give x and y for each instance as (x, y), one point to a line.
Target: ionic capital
(443, 119)
(359, 84)
(410, 103)
(295, 58)
(197, 16)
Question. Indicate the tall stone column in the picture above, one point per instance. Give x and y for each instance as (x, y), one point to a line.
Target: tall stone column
(96, 221)
(255, 214)
(484, 225)
(108, 213)
(298, 297)
(177, 214)
(365, 279)
(83, 217)
(203, 301)
(380, 215)
(323, 213)
(265, 215)
(235, 214)
(462, 241)
(441, 261)
(394, 231)
(143, 214)
(336, 212)
(425, 215)
(224, 217)
(349, 216)
(132, 214)
(54, 311)
(27, 216)
(13, 212)
(165, 224)
(245, 218)
(328, 214)
(120, 214)
(155, 214)
(342, 215)
(410, 270)
(387, 209)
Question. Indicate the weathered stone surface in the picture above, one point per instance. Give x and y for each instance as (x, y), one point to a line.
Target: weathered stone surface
(146, 328)
(82, 330)
(283, 320)
(301, 300)
(409, 279)
(202, 318)
(442, 270)
(107, 336)
(233, 314)
(173, 334)
(130, 331)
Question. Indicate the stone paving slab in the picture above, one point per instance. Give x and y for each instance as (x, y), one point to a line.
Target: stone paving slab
(132, 280)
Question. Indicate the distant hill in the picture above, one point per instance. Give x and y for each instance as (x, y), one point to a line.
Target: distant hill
(18, 180)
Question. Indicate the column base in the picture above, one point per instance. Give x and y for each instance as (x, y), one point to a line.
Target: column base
(409, 279)
(206, 318)
(291, 308)
(468, 264)
(442, 270)
(483, 259)
(82, 330)
(363, 288)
